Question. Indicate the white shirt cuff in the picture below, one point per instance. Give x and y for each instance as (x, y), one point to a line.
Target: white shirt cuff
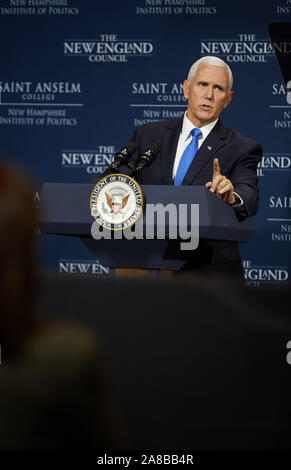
(237, 204)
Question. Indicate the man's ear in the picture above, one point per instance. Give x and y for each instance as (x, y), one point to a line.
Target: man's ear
(186, 89)
(229, 98)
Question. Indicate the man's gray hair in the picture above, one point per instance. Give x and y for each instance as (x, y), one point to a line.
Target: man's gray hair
(211, 60)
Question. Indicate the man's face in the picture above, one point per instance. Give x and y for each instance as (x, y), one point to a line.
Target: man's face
(207, 94)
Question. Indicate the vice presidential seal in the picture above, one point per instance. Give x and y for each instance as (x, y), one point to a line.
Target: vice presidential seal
(116, 202)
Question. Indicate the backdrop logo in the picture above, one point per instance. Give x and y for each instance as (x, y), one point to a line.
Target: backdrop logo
(274, 163)
(38, 7)
(284, 8)
(159, 92)
(280, 202)
(86, 267)
(39, 103)
(92, 161)
(257, 274)
(38, 91)
(154, 101)
(282, 233)
(289, 92)
(280, 218)
(281, 104)
(245, 48)
(175, 7)
(108, 48)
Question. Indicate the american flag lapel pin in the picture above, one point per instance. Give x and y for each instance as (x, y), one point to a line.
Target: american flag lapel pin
(209, 148)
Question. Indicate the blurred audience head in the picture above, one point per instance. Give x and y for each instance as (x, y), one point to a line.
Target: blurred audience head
(17, 246)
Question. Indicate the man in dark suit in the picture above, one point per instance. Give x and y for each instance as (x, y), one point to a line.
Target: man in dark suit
(225, 162)
(198, 149)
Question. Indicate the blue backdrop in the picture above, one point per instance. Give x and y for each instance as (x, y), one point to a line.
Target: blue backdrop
(77, 76)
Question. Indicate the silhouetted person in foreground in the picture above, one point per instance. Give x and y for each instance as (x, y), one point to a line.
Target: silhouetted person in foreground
(53, 388)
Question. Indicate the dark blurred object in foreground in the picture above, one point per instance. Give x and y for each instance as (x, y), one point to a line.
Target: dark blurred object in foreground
(195, 364)
(53, 385)
(280, 36)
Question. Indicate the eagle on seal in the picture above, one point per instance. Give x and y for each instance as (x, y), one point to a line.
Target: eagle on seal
(116, 203)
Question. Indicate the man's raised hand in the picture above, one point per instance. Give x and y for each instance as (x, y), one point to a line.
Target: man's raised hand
(221, 185)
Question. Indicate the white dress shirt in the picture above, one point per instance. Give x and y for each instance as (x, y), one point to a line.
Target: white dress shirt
(186, 137)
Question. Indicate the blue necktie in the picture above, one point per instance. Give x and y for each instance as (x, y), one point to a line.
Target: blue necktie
(187, 157)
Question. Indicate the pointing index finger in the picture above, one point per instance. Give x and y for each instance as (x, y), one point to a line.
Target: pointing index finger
(216, 168)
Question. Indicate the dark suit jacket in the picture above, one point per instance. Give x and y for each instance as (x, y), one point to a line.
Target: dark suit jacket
(238, 158)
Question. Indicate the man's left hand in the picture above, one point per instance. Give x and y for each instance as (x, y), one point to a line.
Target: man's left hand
(221, 185)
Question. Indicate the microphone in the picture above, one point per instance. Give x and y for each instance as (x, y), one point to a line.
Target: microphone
(123, 155)
(146, 158)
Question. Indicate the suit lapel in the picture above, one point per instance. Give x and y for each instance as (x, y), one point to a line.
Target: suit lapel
(215, 141)
(169, 146)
